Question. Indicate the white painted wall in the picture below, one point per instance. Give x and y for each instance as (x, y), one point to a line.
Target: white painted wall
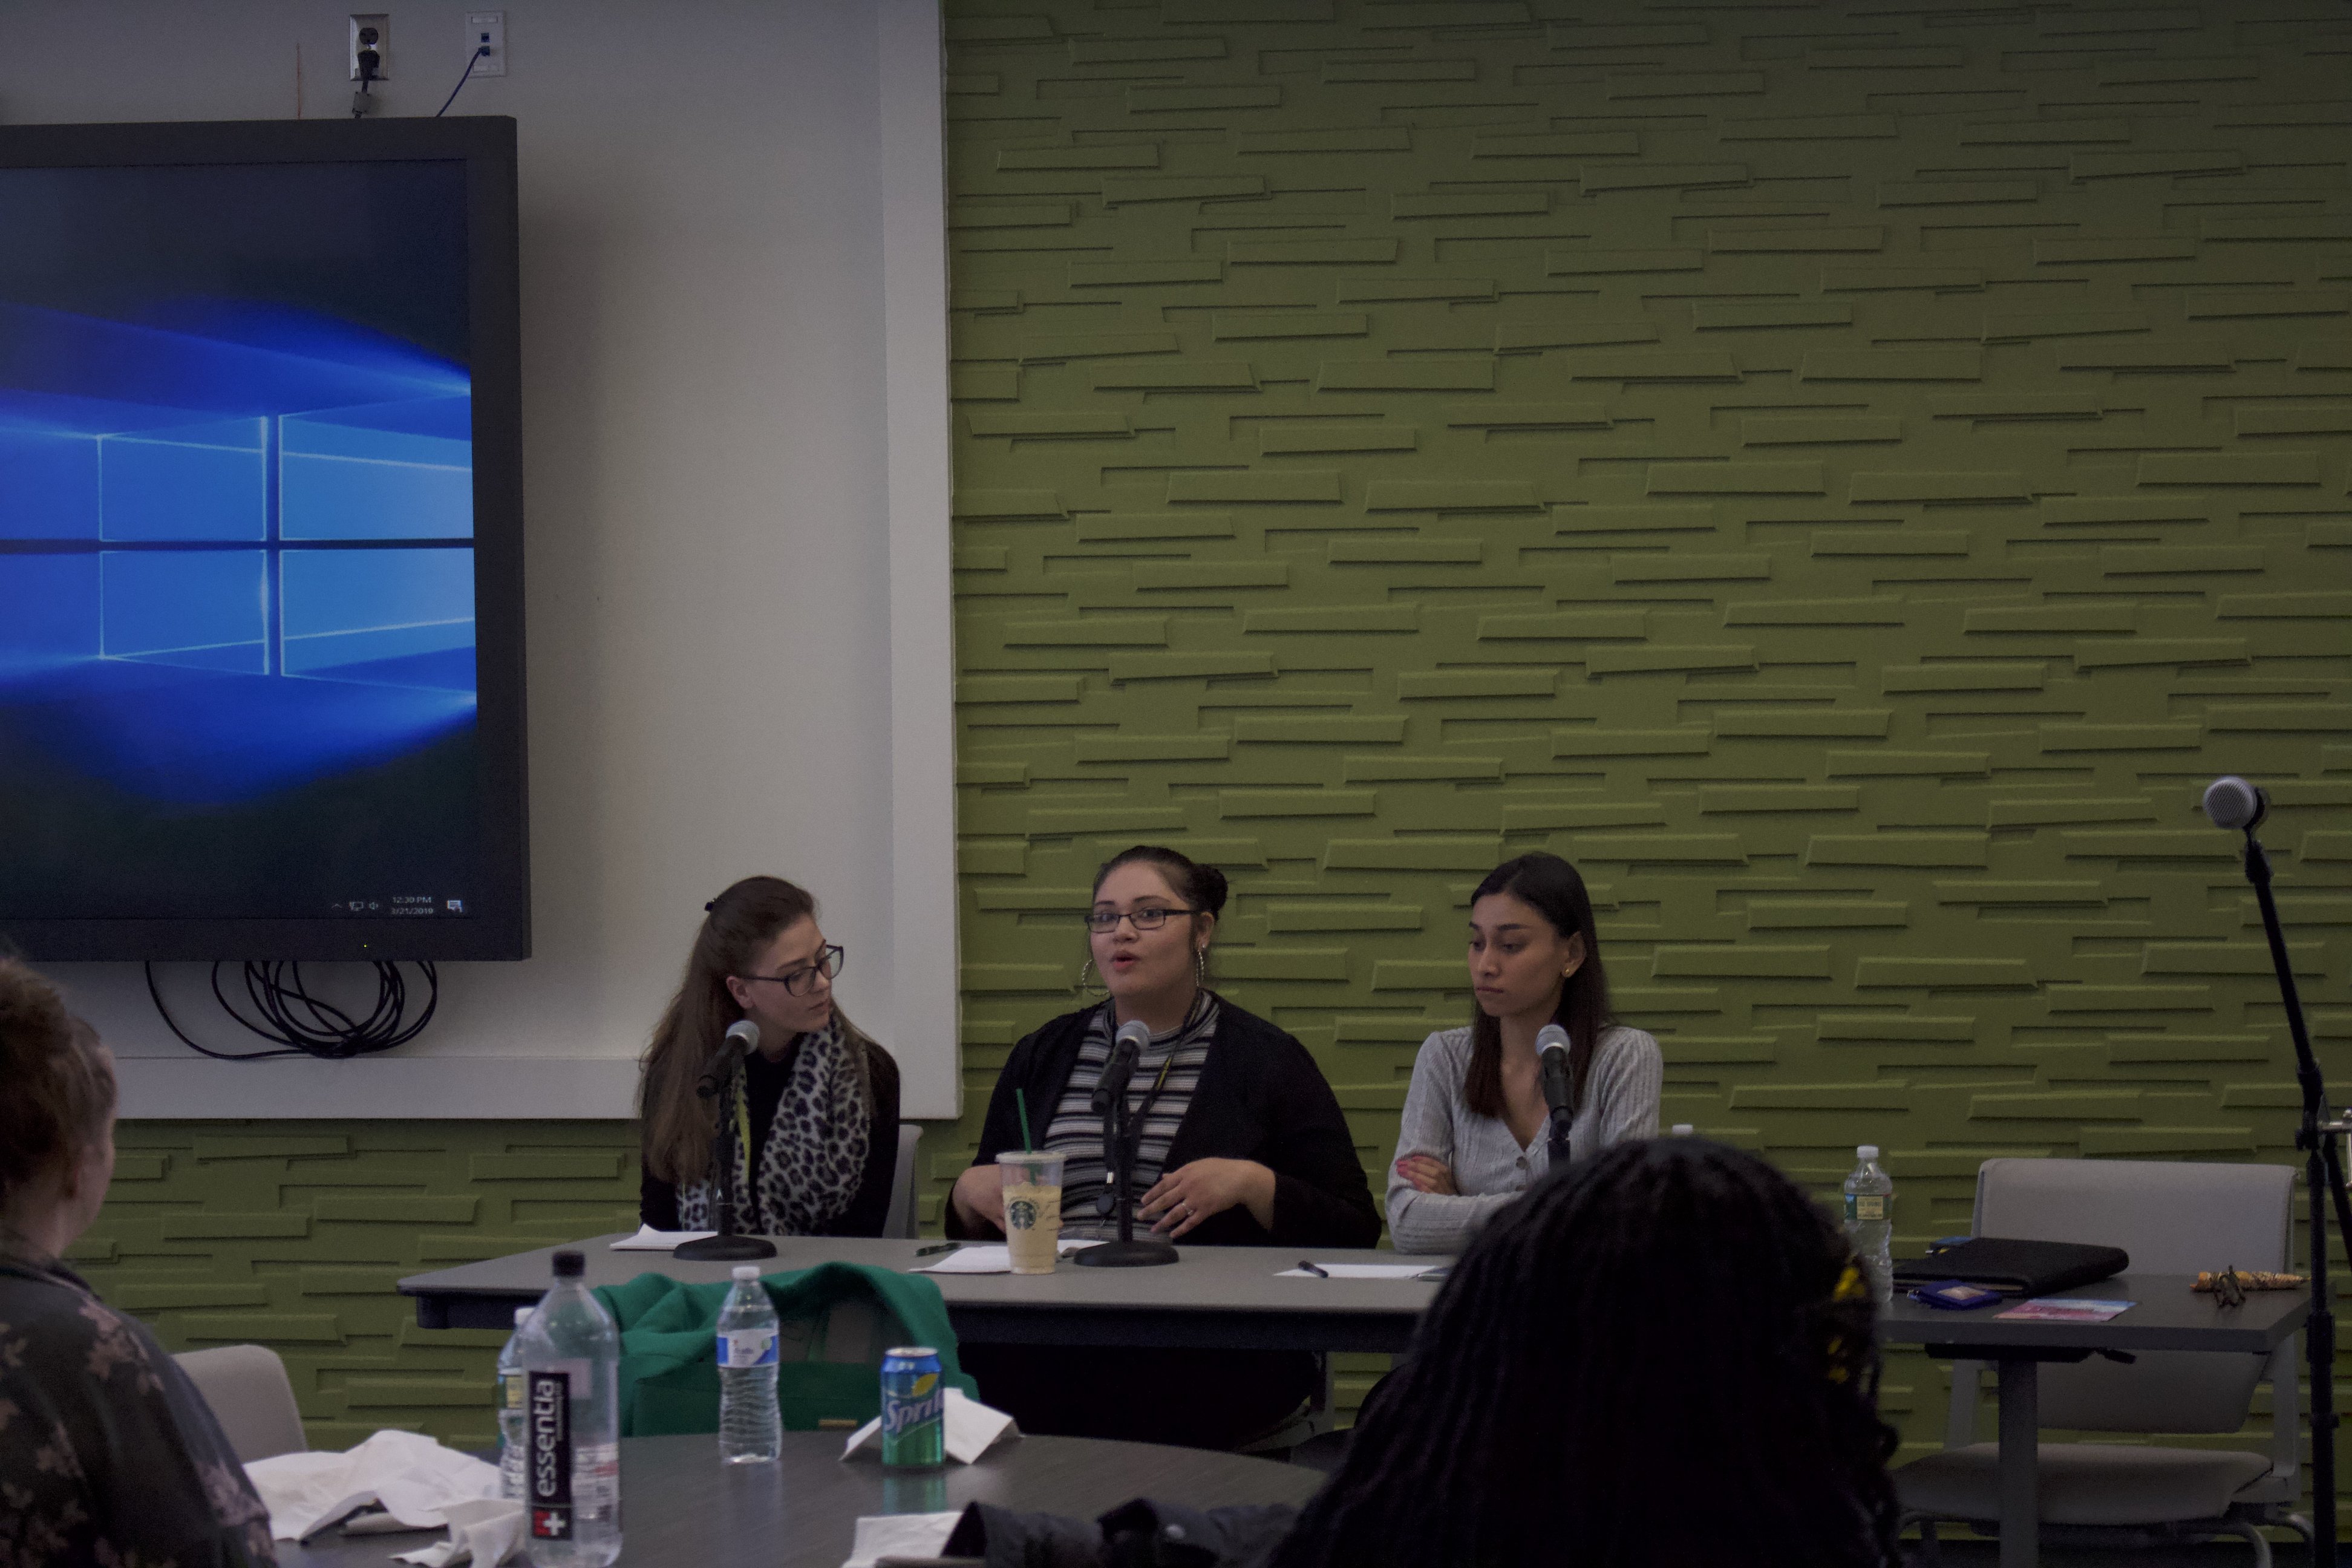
(736, 476)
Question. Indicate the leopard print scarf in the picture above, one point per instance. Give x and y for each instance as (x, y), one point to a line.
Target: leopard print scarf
(815, 1158)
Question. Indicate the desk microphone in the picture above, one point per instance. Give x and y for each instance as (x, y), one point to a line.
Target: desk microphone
(1551, 1048)
(1125, 1049)
(743, 1039)
(2234, 804)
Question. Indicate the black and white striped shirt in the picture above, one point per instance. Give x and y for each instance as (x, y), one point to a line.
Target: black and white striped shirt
(1165, 1075)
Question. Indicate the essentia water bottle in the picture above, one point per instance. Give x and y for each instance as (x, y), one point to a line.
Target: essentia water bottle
(1870, 1220)
(513, 1430)
(751, 1429)
(570, 1356)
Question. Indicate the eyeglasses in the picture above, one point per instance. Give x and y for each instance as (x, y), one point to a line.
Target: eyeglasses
(797, 983)
(1102, 921)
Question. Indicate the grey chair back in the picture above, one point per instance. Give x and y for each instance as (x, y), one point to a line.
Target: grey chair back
(2173, 1217)
(251, 1396)
(900, 1220)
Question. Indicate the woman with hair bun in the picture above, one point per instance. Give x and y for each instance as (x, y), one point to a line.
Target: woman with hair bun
(107, 1454)
(1242, 1144)
(1473, 1136)
(816, 1107)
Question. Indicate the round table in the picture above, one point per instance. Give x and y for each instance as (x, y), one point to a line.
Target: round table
(680, 1504)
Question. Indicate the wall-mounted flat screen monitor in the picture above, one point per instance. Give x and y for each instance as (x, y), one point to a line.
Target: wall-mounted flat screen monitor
(261, 644)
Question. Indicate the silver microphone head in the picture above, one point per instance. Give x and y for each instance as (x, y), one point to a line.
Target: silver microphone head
(1549, 1036)
(1136, 1031)
(745, 1033)
(2234, 804)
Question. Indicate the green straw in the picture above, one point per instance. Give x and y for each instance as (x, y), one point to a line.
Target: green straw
(1021, 1102)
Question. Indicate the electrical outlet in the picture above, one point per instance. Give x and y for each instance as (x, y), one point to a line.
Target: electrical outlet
(372, 30)
(486, 30)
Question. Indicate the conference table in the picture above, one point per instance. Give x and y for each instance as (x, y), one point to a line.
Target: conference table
(1212, 1297)
(2165, 1315)
(680, 1504)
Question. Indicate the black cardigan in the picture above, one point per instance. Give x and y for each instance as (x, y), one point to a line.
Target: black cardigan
(869, 1209)
(1260, 1097)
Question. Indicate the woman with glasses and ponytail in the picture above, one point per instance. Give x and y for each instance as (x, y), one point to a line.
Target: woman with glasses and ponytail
(1241, 1143)
(1473, 1138)
(816, 1106)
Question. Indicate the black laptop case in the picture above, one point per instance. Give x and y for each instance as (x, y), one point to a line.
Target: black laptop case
(2015, 1268)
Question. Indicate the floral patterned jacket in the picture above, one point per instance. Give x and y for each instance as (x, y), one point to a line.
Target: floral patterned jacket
(107, 1454)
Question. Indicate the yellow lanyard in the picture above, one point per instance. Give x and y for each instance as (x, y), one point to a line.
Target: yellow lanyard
(743, 1199)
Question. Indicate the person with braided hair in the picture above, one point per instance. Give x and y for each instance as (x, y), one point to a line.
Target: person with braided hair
(108, 1453)
(1662, 1355)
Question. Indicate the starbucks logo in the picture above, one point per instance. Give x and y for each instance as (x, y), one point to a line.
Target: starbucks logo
(1022, 1213)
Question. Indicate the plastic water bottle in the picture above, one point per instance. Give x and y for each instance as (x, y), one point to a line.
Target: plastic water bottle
(512, 1430)
(569, 1354)
(1870, 1220)
(751, 1430)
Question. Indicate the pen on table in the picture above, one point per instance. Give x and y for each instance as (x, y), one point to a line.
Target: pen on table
(1319, 1272)
(933, 1251)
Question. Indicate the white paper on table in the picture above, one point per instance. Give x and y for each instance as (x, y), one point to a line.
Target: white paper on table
(415, 1479)
(993, 1257)
(971, 1428)
(1367, 1270)
(900, 1535)
(648, 1239)
(485, 1533)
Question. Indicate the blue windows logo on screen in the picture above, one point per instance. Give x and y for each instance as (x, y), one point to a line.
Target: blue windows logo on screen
(232, 563)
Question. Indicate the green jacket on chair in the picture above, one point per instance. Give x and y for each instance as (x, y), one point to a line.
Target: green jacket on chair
(669, 1367)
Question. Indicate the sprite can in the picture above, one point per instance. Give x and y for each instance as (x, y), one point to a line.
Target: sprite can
(914, 1409)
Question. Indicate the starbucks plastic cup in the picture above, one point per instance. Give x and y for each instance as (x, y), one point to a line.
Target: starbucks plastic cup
(1033, 1208)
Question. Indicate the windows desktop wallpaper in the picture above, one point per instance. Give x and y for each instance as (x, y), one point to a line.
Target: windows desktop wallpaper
(237, 542)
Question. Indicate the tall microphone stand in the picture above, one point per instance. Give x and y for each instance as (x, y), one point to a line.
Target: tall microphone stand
(1119, 1144)
(725, 1247)
(2322, 1174)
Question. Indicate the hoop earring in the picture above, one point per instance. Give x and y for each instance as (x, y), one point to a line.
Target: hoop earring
(1084, 992)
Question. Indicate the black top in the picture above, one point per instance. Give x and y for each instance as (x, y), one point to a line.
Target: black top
(763, 1088)
(1261, 1096)
(107, 1454)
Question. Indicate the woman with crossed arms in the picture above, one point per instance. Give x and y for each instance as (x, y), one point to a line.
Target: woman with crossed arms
(1473, 1138)
(1242, 1144)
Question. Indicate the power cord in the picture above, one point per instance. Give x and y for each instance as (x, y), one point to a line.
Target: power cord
(276, 991)
(480, 50)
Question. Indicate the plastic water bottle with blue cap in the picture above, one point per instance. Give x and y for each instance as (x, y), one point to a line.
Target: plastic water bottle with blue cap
(751, 1428)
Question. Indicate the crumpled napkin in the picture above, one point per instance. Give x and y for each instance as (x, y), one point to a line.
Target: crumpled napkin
(487, 1530)
(900, 1535)
(971, 1428)
(415, 1479)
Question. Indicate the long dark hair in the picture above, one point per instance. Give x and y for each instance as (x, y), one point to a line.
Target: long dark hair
(676, 1123)
(1550, 886)
(1661, 1355)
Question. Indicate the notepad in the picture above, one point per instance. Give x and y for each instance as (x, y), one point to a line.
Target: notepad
(2066, 1310)
(992, 1258)
(648, 1239)
(1363, 1270)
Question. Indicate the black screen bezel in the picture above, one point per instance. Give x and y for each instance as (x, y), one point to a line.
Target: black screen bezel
(499, 925)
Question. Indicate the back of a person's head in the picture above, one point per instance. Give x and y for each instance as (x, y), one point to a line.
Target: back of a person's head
(56, 1086)
(1661, 1355)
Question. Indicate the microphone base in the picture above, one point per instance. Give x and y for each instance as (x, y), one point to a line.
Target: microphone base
(725, 1250)
(1125, 1255)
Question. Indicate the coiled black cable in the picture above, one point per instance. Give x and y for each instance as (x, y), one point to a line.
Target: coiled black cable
(298, 1023)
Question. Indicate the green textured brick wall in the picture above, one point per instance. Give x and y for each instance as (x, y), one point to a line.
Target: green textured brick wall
(1846, 475)
(290, 1234)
